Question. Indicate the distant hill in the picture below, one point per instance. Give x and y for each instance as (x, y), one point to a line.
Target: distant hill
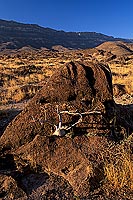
(118, 48)
(14, 35)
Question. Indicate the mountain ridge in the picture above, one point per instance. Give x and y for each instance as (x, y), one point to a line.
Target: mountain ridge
(15, 35)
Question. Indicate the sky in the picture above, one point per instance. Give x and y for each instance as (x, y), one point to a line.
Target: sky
(110, 17)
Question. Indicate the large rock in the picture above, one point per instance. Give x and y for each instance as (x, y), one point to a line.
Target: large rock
(40, 165)
(78, 87)
(78, 162)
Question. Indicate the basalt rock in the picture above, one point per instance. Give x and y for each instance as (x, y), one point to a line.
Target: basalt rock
(78, 87)
(41, 165)
(77, 162)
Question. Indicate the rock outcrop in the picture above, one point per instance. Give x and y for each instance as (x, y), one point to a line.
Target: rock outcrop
(37, 164)
(78, 101)
(79, 90)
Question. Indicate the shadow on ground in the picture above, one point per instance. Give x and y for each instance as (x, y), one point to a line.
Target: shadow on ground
(6, 116)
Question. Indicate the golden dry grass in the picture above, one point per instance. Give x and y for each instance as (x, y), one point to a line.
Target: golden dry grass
(118, 168)
(24, 68)
(123, 74)
(122, 79)
(120, 174)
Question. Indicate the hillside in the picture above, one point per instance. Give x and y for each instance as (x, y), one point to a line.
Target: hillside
(117, 48)
(14, 35)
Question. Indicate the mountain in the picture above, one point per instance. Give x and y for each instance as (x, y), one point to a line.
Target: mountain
(14, 35)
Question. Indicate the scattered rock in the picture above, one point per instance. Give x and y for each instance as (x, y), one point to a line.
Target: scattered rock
(44, 186)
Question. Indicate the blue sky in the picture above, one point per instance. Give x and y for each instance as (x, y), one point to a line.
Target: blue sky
(111, 17)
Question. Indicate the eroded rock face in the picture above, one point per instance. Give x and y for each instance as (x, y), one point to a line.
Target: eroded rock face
(77, 87)
(78, 161)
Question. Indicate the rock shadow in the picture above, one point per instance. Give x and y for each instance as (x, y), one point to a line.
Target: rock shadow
(6, 116)
(124, 119)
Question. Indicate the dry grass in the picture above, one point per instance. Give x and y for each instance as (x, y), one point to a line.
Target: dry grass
(24, 68)
(120, 174)
(123, 74)
(28, 69)
(18, 96)
(118, 169)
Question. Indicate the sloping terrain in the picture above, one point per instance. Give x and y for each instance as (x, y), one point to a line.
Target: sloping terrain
(14, 35)
(116, 48)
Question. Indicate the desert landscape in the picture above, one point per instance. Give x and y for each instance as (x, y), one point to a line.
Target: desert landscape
(66, 122)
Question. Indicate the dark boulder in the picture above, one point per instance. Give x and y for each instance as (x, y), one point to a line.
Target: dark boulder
(78, 87)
